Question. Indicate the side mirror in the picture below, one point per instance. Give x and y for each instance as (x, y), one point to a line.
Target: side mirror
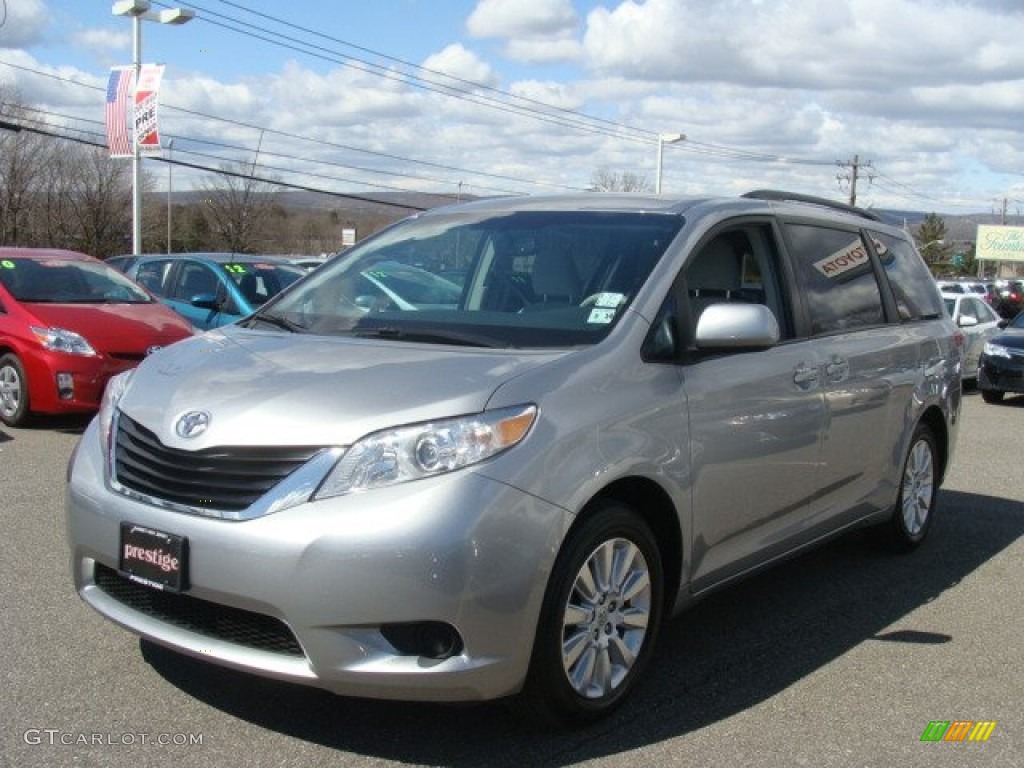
(205, 301)
(737, 326)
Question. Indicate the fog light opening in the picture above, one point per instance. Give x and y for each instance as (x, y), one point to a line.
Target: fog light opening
(428, 639)
(65, 386)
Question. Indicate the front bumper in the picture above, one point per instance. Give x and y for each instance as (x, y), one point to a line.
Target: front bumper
(89, 376)
(460, 550)
(1001, 374)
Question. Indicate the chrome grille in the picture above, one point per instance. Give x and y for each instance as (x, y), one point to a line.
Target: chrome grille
(233, 625)
(222, 478)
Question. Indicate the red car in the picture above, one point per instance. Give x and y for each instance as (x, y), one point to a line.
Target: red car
(68, 322)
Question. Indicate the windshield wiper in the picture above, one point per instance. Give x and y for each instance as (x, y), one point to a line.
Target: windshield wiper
(276, 321)
(431, 336)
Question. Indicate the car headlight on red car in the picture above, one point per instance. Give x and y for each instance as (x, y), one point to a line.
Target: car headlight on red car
(61, 340)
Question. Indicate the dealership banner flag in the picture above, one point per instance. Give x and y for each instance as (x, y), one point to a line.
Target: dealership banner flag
(146, 91)
(119, 92)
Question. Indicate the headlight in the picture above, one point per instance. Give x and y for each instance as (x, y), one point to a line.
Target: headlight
(995, 350)
(60, 340)
(423, 450)
(116, 387)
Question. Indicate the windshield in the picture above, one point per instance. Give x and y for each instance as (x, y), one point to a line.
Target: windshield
(529, 279)
(65, 281)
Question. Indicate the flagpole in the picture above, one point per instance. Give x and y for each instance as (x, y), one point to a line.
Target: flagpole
(136, 155)
(139, 10)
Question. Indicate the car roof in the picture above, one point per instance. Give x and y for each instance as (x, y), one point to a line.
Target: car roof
(40, 254)
(756, 202)
(222, 258)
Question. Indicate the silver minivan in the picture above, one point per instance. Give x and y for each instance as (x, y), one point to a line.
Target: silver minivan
(489, 451)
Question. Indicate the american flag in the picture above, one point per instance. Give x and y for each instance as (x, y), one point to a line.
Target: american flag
(119, 96)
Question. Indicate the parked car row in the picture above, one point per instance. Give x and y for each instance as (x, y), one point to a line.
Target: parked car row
(1004, 296)
(979, 323)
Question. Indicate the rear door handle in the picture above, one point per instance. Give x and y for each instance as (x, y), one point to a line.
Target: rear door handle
(807, 376)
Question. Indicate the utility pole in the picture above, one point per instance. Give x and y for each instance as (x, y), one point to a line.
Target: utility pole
(856, 169)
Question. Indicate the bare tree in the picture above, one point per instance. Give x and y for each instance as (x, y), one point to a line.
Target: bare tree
(605, 180)
(23, 163)
(101, 196)
(239, 206)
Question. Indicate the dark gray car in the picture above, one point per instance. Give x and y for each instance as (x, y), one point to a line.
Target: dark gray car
(506, 488)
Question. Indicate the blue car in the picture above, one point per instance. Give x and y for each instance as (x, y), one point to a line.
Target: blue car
(213, 289)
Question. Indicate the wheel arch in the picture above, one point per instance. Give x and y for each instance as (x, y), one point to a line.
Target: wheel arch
(934, 420)
(654, 506)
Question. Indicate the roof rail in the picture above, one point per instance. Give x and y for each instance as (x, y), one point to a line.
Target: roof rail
(796, 197)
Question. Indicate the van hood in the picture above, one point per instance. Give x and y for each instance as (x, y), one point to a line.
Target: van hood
(115, 328)
(262, 388)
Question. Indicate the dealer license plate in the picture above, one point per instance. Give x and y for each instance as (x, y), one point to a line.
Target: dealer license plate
(154, 558)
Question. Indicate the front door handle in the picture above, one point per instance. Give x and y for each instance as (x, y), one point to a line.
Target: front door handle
(838, 369)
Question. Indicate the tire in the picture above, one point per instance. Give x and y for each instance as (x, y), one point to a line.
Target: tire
(13, 391)
(992, 396)
(599, 621)
(919, 488)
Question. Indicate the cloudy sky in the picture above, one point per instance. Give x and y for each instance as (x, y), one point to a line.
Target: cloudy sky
(532, 96)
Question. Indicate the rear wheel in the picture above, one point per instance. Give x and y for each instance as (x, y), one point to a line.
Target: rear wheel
(13, 391)
(992, 395)
(599, 620)
(919, 488)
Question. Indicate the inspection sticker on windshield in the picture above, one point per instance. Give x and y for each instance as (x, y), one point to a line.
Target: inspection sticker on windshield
(601, 315)
(607, 300)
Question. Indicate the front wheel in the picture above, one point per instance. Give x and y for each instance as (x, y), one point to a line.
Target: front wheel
(599, 620)
(919, 488)
(992, 396)
(13, 391)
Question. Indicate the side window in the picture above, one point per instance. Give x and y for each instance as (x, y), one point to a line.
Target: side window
(737, 266)
(194, 279)
(912, 283)
(151, 276)
(835, 272)
(662, 343)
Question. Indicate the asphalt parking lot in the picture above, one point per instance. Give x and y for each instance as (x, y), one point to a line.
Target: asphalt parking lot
(839, 658)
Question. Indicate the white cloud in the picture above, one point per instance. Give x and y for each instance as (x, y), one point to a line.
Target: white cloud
(24, 23)
(105, 40)
(462, 63)
(804, 43)
(522, 18)
(533, 51)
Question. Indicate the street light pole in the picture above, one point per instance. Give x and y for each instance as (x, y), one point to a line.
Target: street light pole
(139, 10)
(663, 139)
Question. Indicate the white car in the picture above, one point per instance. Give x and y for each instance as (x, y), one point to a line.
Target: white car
(978, 321)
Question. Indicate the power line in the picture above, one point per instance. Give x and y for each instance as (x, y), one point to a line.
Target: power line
(319, 141)
(514, 103)
(226, 172)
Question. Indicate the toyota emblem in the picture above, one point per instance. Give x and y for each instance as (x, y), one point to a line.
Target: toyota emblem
(192, 424)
